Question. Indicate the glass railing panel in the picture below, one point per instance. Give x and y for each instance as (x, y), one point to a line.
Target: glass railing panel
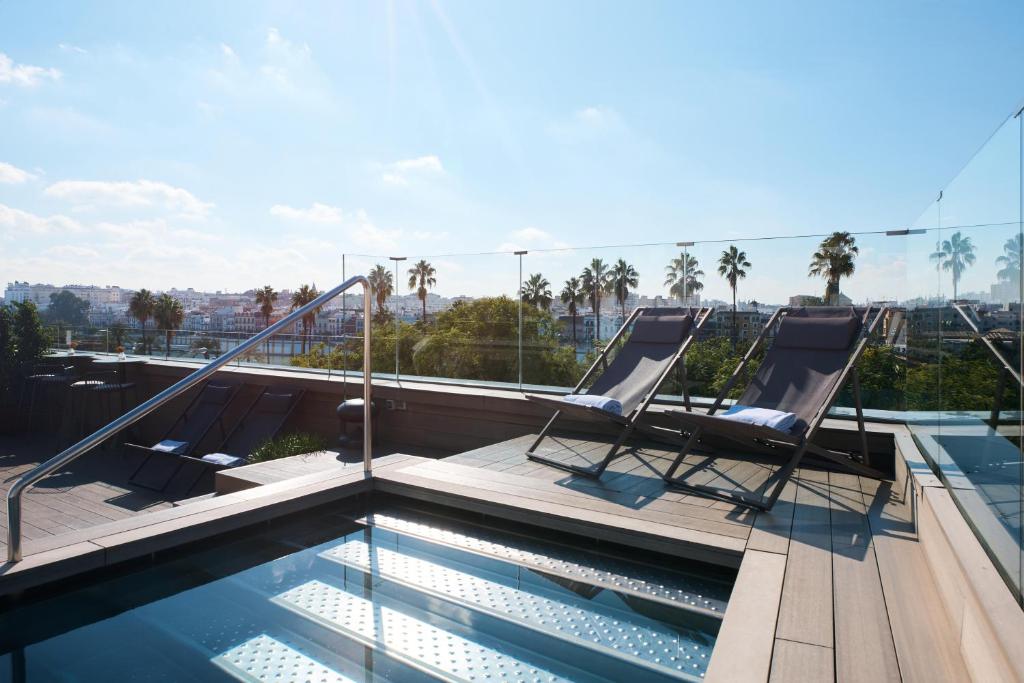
(977, 443)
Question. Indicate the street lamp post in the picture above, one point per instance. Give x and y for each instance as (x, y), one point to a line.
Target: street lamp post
(396, 259)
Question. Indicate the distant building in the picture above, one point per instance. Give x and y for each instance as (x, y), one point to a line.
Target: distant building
(39, 294)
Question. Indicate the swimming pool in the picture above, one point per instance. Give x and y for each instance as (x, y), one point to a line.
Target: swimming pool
(389, 594)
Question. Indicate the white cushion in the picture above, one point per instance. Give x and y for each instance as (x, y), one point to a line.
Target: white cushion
(224, 459)
(172, 446)
(609, 405)
(776, 419)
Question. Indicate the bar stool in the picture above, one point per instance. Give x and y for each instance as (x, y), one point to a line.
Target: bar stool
(104, 391)
(44, 379)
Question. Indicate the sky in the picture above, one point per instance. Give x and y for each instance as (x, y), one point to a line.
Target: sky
(236, 144)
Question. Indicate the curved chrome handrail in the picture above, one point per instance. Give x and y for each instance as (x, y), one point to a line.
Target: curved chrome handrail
(143, 409)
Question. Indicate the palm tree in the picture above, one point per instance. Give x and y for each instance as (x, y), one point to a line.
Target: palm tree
(595, 280)
(732, 265)
(573, 295)
(682, 277)
(141, 307)
(956, 255)
(266, 297)
(382, 284)
(537, 292)
(1011, 260)
(621, 279)
(421, 278)
(833, 261)
(302, 296)
(168, 314)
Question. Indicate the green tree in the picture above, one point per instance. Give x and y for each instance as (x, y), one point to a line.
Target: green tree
(595, 281)
(536, 291)
(683, 277)
(382, 285)
(421, 278)
(478, 340)
(141, 307)
(300, 297)
(573, 296)
(732, 265)
(621, 279)
(833, 261)
(1011, 260)
(67, 309)
(955, 255)
(7, 364)
(30, 339)
(168, 314)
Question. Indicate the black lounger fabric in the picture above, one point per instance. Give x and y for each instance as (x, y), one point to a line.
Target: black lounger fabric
(263, 422)
(202, 415)
(654, 342)
(811, 349)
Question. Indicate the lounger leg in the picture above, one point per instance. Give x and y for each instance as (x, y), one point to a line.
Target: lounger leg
(687, 447)
(594, 471)
(860, 419)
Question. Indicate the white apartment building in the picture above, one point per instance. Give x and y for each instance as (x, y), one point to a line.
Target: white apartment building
(39, 294)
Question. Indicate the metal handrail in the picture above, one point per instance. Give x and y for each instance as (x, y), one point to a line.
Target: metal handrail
(144, 409)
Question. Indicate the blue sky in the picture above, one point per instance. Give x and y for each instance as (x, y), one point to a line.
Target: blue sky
(230, 145)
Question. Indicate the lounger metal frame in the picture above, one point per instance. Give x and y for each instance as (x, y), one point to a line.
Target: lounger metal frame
(628, 423)
(151, 452)
(761, 440)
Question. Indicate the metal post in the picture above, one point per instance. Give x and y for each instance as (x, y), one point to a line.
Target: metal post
(396, 259)
(367, 384)
(520, 297)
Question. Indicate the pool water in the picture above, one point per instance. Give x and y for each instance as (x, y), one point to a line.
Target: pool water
(393, 595)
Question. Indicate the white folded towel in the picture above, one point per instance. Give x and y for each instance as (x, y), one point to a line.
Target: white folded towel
(776, 419)
(609, 405)
(171, 446)
(224, 459)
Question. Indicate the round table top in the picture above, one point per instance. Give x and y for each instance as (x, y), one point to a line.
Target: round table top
(130, 360)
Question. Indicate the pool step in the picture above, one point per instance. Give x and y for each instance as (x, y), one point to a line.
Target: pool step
(564, 563)
(640, 644)
(264, 658)
(405, 638)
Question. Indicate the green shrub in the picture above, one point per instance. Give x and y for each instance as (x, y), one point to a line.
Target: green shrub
(287, 445)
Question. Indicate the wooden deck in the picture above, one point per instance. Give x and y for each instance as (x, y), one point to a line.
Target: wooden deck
(833, 585)
(91, 491)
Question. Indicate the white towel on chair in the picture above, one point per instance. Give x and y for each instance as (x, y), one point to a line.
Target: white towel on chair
(224, 459)
(765, 417)
(171, 446)
(608, 405)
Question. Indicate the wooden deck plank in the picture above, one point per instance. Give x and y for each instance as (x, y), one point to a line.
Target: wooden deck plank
(805, 614)
(748, 629)
(927, 647)
(864, 649)
(794, 662)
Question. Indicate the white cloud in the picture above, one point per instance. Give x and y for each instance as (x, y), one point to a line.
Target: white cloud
(228, 51)
(130, 194)
(25, 75)
(68, 47)
(586, 124)
(73, 251)
(12, 175)
(317, 213)
(530, 237)
(400, 172)
(15, 223)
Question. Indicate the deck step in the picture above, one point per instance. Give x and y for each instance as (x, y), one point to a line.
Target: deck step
(402, 637)
(264, 658)
(638, 643)
(566, 563)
